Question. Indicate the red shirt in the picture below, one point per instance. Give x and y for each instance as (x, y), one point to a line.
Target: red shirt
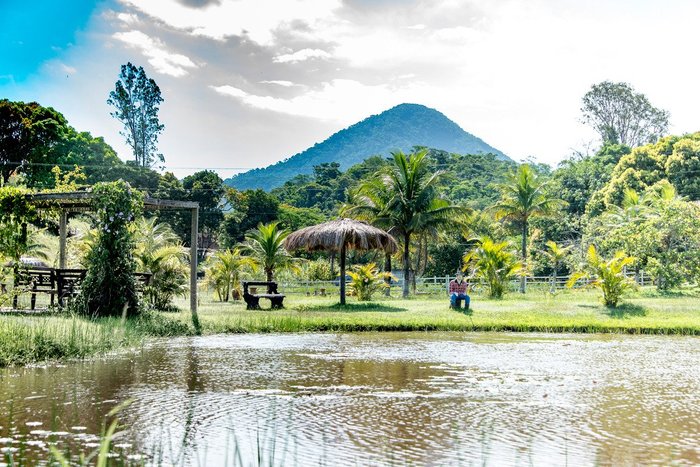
(458, 287)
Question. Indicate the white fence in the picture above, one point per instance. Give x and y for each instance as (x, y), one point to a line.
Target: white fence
(439, 285)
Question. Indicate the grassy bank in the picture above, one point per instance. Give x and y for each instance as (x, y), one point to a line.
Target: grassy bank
(26, 339)
(646, 313)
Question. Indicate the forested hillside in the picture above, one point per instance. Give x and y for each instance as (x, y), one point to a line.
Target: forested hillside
(399, 128)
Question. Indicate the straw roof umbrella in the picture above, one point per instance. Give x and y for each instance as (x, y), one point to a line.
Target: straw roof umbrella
(341, 235)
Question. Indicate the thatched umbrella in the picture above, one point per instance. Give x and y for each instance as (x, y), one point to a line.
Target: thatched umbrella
(338, 236)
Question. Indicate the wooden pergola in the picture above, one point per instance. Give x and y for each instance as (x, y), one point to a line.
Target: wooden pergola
(82, 201)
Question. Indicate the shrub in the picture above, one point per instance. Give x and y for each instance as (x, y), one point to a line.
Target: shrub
(608, 276)
(160, 253)
(109, 285)
(366, 280)
(319, 270)
(223, 273)
(495, 263)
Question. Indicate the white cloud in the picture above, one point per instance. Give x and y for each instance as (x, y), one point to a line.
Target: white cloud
(341, 100)
(128, 18)
(301, 55)
(254, 19)
(58, 68)
(165, 62)
(279, 82)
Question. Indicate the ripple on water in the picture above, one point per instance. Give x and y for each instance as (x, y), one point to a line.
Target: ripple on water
(385, 399)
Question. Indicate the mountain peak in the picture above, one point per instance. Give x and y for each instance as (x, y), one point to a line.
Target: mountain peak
(399, 128)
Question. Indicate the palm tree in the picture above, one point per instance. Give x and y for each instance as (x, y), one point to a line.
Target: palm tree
(405, 201)
(223, 272)
(264, 246)
(556, 255)
(522, 198)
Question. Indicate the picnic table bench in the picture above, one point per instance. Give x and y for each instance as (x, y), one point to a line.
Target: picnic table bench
(36, 280)
(252, 300)
(64, 283)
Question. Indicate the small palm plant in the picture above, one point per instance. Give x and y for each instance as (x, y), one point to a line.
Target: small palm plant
(366, 280)
(495, 263)
(264, 246)
(160, 253)
(223, 273)
(606, 275)
(556, 255)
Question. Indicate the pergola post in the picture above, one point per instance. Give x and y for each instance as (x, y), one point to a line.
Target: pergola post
(193, 260)
(62, 231)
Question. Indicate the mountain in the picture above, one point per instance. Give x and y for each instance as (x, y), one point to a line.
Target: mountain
(401, 127)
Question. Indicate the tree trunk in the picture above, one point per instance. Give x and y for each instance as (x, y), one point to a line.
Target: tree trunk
(342, 274)
(269, 275)
(524, 251)
(406, 265)
(387, 268)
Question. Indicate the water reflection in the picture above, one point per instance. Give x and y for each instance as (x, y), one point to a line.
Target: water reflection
(382, 399)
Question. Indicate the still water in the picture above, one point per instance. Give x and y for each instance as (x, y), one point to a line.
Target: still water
(370, 399)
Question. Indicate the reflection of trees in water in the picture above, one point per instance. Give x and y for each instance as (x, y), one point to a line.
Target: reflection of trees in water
(63, 396)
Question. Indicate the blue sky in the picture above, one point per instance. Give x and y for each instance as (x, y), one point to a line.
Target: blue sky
(37, 31)
(249, 82)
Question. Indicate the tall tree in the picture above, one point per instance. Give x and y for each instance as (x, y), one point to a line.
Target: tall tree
(409, 201)
(524, 196)
(622, 116)
(136, 98)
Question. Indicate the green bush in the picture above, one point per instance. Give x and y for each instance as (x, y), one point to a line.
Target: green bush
(495, 263)
(366, 280)
(160, 253)
(109, 287)
(608, 276)
(319, 270)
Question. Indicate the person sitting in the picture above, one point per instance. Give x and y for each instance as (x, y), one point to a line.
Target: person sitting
(458, 292)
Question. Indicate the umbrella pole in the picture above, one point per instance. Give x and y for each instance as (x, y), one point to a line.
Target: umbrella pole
(342, 274)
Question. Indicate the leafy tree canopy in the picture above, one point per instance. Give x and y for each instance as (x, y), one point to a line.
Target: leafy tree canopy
(621, 115)
(676, 158)
(136, 98)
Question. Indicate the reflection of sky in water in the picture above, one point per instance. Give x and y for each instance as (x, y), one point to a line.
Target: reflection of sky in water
(377, 398)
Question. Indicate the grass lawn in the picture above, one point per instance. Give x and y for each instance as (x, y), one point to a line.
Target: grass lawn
(26, 339)
(646, 312)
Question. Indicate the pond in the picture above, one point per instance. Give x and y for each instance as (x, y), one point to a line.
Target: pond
(370, 398)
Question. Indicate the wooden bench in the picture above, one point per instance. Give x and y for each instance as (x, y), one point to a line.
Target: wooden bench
(68, 283)
(65, 283)
(35, 280)
(253, 300)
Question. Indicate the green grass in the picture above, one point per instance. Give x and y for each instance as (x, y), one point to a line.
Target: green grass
(26, 339)
(645, 313)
